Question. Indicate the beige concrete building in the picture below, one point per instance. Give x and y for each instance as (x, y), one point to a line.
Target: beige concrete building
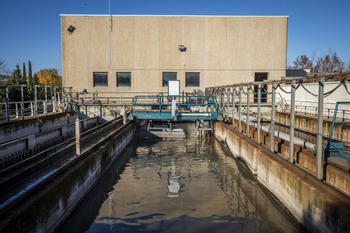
(127, 53)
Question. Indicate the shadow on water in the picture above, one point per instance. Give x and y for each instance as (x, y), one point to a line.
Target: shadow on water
(188, 185)
(87, 211)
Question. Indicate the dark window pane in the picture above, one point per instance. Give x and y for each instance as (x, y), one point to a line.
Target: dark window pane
(168, 76)
(192, 79)
(259, 77)
(100, 79)
(123, 79)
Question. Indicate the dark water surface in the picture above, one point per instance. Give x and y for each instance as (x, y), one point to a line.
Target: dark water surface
(188, 185)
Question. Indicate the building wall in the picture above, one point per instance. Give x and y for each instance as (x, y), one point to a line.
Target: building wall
(223, 49)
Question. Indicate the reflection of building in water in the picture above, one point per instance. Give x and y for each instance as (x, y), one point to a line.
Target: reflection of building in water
(173, 181)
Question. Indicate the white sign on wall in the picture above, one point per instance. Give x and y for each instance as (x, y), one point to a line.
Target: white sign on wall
(174, 87)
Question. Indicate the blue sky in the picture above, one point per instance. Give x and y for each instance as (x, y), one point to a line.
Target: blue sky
(30, 30)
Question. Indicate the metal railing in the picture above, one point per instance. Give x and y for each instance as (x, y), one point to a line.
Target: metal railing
(226, 96)
(29, 101)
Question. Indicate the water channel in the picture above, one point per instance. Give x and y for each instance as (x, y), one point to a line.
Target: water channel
(185, 185)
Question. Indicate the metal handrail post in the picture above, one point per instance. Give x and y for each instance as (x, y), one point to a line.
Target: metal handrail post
(319, 129)
(291, 126)
(228, 101)
(7, 105)
(45, 106)
(16, 110)
(22, 103)
(240, 110)
(272, 126)
(54, 99)
(259, 112)
(233, 106)
(248, 105)
(35, 101)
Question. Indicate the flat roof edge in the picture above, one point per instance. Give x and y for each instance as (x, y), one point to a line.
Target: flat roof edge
(233, 16)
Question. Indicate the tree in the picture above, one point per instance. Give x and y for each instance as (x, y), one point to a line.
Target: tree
(16, 78)
(302, 62)
(30, 75)
(25, 73)
(46, 76)
(330, 63)
(35, 79)
(15, 81)
(3, 68)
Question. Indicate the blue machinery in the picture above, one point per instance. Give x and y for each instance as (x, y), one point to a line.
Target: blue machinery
(336, 149)
(175, 108)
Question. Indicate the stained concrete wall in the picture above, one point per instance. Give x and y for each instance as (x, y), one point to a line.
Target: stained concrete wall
(17, 150)
(49, 207)
(224, 49)
(18, 129)
(315, 204)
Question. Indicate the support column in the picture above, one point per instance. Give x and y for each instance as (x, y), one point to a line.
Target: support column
(124, 114)
(248, 105)
(291, 126)
(77, 135)
(272, 126)
(259, 112)
(319, 129)
(240, 110)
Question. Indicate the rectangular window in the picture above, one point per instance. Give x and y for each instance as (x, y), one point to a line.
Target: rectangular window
(123, 79)
(100, 79)
(192, 79)
(259, 77)
(167, 76)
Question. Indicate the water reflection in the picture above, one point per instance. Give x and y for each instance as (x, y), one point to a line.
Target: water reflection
(174, 181)
(190, 185)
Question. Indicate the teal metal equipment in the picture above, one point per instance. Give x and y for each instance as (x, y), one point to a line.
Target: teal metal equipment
(175, 108)
(336, 149)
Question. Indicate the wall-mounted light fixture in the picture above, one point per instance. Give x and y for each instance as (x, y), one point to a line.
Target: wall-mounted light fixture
(182, 48)
(71, 29)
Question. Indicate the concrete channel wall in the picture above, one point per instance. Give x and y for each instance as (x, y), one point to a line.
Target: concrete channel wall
(18, 129)
(49, 207)
(315, 204)
(19, 149)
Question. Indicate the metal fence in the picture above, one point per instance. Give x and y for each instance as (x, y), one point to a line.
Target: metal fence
(41, 100)
(249, 96)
